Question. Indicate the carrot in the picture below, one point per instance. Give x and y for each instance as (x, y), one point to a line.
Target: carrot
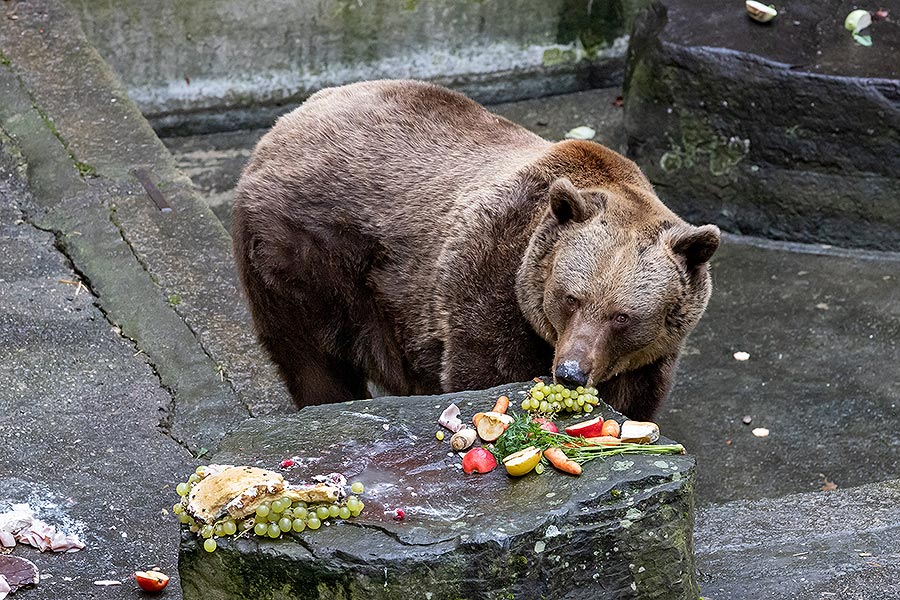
(501, 405)
(559, 460)
(611, 428)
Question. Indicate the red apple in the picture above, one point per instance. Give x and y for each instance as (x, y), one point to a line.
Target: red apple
(592, 428)
(479, 460)
(546, 425)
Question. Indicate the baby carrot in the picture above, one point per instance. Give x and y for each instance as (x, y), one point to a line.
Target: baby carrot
(501, 405)
(559, 460)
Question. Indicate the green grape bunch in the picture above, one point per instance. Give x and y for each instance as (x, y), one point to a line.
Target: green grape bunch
(547, 399)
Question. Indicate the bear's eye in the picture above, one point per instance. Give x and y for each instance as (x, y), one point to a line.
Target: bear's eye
(572, 302)
(621, 318)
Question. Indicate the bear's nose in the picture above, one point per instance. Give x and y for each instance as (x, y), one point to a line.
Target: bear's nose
(570, 374)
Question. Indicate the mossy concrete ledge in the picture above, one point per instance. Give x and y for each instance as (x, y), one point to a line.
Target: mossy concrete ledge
(623, 529)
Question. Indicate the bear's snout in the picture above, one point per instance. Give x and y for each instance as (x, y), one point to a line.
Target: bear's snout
(570, 374)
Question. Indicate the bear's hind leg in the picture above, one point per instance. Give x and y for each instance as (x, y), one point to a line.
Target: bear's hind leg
(314, 378)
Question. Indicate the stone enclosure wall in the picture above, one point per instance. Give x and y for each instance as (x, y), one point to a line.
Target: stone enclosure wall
(234, 63)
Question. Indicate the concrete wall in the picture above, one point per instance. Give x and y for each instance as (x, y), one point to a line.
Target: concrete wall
(226, 63)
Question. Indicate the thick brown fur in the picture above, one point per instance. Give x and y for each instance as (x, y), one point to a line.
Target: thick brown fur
(397, 232)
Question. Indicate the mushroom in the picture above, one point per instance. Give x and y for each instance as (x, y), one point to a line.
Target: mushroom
(462, 439)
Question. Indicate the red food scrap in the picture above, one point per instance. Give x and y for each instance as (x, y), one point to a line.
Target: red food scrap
(287, 463)
(399, 514)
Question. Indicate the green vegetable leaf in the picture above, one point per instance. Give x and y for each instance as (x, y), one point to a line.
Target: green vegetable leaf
(863, 40)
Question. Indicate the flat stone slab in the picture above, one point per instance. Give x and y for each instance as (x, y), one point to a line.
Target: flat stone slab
(786, 130)
(623, 529)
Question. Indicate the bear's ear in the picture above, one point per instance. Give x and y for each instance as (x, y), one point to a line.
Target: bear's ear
(567, 204)
(695, 244)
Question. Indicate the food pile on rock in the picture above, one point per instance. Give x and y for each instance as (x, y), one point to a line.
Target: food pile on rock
(225, 500)
(522, 443)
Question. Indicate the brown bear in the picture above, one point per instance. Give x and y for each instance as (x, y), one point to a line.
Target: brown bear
(398, 232)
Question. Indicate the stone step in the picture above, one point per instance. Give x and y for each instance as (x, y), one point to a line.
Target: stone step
(786, 130)
(841, 544)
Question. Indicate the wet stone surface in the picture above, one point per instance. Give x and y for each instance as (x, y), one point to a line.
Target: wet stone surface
(621, 530)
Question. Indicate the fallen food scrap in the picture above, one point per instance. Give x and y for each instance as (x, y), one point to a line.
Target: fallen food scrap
(19, 525)
(15, 573)
(581, 133)
(761, 432)
(151, 581)
(760, 12)
(855, 22)
(742, 356)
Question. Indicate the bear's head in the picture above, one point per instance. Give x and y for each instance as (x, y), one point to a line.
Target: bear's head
(613, 279)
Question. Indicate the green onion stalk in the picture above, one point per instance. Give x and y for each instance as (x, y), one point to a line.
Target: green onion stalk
(524, 432)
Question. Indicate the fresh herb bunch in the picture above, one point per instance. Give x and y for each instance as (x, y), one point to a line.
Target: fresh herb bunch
(525, 431)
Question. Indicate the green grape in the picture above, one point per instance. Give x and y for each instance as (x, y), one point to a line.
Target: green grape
(207, 531)
(539, 468)
(300, 504)
(580, 389)
(313, 523)
(274, 530)
(285, 524)
(182, 489)
(588, 408)
(569, 402)
(273, 517)
(262, 510)
(344, 512)
(322, 512)
(259, 519)
(526, 404)
(261, 528)
(334, 510)
(200, 470)
(440, 436)
(178, 508)
(300, 512)
(288, 513)
(184, 518)
(545, 406)
(352, 502)
(539, 385)
(556, 406)
(537, 395)
(358, 510)
(566, 393)
(229, 527)
(277, 507)
(218, 530)
(194, 478)
(210, 545)
(298, 525)
(357, 487)
(580, 400)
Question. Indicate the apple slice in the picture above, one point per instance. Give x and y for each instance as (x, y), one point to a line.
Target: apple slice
(491, 425)
(592, 428)
(151, 581)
